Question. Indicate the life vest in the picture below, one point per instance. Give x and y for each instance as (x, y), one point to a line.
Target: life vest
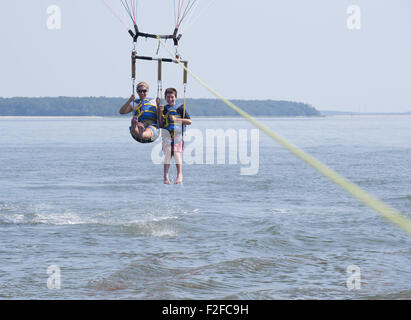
(173, 128)
(145, 111)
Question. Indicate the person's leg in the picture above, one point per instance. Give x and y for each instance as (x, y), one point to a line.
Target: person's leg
(167, 161)
(179, 165)
(137, 127)
(166, 169)
(134, 123)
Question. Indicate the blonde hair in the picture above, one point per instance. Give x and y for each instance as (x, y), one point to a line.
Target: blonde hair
(143, 84)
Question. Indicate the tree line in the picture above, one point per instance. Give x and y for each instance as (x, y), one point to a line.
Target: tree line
(103, 106)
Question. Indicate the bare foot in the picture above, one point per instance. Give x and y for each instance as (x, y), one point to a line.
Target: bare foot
(140, 127)
(166, 181)
(134, 123)
(178, 180)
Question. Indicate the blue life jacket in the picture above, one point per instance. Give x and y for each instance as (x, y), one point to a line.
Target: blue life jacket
(145, 111)
(172, 127)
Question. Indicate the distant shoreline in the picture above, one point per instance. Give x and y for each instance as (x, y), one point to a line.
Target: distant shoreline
(103, 106)
(94, 107)
(382, 115)
(51, 117)
(349, 113)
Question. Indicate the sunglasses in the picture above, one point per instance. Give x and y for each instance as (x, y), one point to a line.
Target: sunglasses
(141, 91)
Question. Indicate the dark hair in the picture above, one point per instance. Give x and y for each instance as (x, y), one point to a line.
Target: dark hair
(170, 91)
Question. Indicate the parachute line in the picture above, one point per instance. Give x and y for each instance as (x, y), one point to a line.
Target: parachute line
(176, 12)
(180, 6)
(188, 9)
(131, 9)
(115, 14)
(183, 14)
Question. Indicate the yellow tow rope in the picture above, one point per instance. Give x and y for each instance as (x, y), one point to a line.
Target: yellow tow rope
(385, 210)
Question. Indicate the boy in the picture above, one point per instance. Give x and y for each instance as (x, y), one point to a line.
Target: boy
(174, 120)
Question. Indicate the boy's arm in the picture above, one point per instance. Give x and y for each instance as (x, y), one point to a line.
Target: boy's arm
(184, 121)
(185, 117)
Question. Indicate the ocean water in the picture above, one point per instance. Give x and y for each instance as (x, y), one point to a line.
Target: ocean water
(84, 213)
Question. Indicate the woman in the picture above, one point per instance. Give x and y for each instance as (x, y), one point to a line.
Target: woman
(144, 127)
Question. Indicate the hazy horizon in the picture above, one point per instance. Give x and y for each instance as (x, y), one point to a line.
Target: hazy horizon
(321, 110)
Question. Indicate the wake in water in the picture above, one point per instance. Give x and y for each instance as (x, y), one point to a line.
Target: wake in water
(155, 222)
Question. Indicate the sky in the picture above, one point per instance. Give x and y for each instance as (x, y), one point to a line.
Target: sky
(312, 51)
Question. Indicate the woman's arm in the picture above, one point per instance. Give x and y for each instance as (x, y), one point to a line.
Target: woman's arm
(159, 110)
(126, 108)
